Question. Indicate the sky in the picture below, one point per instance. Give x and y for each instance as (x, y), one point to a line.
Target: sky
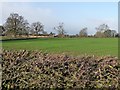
(74, 15)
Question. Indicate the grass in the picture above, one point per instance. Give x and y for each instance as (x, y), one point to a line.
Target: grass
(71, 46)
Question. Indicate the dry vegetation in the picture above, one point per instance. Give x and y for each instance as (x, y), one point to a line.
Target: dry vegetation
(32, 69)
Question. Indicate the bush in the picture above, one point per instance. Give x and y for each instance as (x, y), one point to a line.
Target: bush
(32, 69)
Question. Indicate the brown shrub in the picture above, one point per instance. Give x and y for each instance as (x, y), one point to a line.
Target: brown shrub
(32, 69)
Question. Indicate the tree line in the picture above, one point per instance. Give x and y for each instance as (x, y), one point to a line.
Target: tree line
(15, 25)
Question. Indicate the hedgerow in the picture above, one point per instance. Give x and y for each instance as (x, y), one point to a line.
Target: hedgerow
(32, 69)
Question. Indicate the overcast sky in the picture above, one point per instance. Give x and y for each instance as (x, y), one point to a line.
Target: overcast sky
(75, 15)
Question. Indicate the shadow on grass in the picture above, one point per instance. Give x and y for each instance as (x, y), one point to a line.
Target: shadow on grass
(17, 39)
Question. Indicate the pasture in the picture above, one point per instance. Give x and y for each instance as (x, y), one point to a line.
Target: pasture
(70, 46)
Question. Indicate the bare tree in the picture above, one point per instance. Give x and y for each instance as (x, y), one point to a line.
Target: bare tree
(60, 29)
(83, 32)
(16, 25)
(2, 31)
(102, 31)
(102, 28)
(108, 33)
(37, 27)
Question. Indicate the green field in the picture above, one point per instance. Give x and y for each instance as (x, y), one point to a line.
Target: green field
(71, 46)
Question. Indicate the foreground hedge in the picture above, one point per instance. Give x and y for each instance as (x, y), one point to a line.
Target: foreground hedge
(32, 69)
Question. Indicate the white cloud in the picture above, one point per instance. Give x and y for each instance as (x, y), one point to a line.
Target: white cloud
(111, 22)
(48, 17)
(91, 24)
(32, 14)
